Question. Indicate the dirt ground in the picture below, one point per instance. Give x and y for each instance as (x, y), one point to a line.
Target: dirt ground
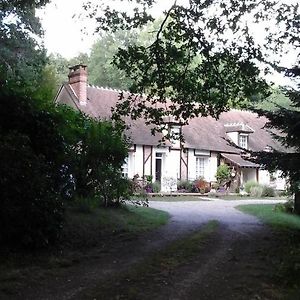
(236, 261)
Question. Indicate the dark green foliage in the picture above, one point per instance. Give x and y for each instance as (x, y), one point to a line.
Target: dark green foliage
(22, 58)
(31, 209)
(285, 124)
(99, 155)
(268, 191)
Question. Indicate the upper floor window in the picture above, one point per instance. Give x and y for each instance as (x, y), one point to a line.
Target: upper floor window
(243, 141)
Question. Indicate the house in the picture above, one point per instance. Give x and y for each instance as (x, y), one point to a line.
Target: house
(205, 147)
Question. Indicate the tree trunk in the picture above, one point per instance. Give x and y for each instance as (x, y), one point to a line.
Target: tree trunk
(297, 202)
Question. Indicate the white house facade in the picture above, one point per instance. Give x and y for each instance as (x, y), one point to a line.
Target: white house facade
(206, 144)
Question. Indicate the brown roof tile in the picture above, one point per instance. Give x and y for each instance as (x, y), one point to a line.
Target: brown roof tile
(204, 133)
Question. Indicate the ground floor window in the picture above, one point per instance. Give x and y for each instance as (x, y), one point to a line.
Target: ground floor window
(200, 165)
(125, 168)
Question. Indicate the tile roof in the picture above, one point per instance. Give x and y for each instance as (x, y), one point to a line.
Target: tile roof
(239, 161)
(204, 133)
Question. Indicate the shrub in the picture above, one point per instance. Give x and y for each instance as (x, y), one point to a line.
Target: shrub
(185, 186)
(84, 205)
(249, 185)
(287, 207)
(223, 174)
(153, 187)
(256, 191)
(201, 186)
(31, 211)
(268, 191)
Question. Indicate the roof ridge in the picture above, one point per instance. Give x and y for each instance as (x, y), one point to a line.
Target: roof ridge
(107, 88)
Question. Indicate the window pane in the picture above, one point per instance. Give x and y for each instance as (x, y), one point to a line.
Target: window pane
(125, 168)
(200, 167)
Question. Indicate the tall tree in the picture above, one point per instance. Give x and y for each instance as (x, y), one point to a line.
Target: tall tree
(102, 71)
(203, 59)
(21, 55)
(286, 120)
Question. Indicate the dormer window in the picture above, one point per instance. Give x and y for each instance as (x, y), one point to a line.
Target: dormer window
(239, 133)
(243, 141)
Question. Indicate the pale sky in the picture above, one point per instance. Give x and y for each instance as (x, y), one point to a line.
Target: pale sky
(63, 31)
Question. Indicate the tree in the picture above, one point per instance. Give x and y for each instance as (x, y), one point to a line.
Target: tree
(22, 57)
(203, 58)
(286, 122)
(99, 155)
(102, 72)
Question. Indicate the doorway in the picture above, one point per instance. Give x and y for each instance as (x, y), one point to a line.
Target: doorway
(158, 166)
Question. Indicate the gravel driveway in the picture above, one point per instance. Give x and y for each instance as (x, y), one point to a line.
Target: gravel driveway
(191, 214)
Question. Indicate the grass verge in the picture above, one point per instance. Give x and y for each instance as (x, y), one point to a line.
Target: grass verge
(156, 268)
(286, 253)
(83, 232)
(239, 197)
(267, 214)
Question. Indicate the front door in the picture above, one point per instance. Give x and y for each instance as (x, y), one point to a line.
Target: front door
(158, 166)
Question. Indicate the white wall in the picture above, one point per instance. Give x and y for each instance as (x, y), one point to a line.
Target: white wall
(265, 178)
(234, 136)
(210, 166)
(248, 174)
(137, 161)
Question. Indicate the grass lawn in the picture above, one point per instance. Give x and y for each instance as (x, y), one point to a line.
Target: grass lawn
(276, 219)
(88, 229)
(286, 234)
(83, 233)
(239, 197)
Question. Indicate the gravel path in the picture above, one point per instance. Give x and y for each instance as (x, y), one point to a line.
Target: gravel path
(191, 214)
(240, 236)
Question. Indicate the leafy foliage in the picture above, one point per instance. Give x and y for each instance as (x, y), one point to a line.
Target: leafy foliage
(202, 60)
(31, 209)
(223, 174)
(99, 154)
(285, 124)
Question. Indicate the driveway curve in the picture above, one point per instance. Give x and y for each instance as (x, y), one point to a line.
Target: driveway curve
(195, 213)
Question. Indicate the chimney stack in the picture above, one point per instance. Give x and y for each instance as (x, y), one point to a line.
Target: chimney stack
(78, 82)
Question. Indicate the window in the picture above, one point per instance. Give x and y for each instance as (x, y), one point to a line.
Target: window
(243, 141)
(125, 168)
(200, 163)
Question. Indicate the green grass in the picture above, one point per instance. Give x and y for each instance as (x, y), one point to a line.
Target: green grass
(155, 268)
(239, 197)
(89, 229)
(266, 213)
(286, 252)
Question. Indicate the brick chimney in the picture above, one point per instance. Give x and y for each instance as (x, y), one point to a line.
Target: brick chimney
(78, 82)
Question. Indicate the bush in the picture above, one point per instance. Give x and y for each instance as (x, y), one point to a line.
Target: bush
(287, 207)
(249, 185)
(268, 191)
(185, 186)
(153, 187)
(31, 211)
(201, 186)
(256, 191)
(223, 174)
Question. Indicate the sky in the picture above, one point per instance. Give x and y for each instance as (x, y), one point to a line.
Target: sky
(64, 29)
